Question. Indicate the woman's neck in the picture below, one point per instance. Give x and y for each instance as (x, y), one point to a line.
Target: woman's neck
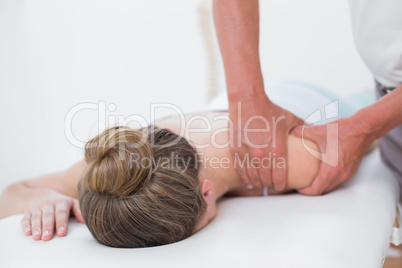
(219, 164)
(220, 179)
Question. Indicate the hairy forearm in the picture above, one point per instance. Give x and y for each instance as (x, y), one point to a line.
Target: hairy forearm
(16, 198)
(237, 28)
(379, 118)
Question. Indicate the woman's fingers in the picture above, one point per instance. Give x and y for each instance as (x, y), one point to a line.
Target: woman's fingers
(42, 221)
(36, 221)
(77, 211)
(62, 214)
(26, 223)
(48, 222)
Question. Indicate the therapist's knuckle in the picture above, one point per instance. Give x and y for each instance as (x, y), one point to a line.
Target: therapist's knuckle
(243, 176)
(345, 177)
(317, 192)
(276, 150)
(252, 173)
(264, 177)
(235, 150)
(332, 174)
(277, 179)
(259, 152)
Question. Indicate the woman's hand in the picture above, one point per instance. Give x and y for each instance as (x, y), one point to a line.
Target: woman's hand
(48, 213)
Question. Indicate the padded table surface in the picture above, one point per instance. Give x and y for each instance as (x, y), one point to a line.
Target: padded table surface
(349, 227)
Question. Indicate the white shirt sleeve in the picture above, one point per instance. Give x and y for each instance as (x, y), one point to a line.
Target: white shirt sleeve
(377, 29)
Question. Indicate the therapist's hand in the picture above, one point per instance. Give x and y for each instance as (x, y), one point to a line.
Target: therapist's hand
(343, 146)
(260, 139)
(50, 212)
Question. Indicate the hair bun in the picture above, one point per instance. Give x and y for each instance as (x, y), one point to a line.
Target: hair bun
(119, 161)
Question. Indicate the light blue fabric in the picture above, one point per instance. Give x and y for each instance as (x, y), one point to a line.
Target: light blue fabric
(305, 99)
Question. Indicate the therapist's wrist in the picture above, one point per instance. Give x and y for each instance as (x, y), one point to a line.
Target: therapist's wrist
(365, 125)
(245, 92)
(382, 116)
(245, 83)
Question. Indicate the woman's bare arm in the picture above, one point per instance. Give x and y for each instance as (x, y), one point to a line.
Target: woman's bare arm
(303, 166)
(47, 203)
(22, 194)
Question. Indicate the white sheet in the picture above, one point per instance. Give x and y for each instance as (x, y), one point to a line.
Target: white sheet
(349, 227)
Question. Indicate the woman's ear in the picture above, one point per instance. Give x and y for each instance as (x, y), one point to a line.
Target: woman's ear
(207, 189)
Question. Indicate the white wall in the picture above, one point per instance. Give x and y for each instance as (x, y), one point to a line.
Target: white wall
(311, 40)
(56, 54)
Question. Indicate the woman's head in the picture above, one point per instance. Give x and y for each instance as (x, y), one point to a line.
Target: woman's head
(140, 188)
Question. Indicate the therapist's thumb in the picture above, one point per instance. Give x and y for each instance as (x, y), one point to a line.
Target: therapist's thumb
(308, 132)
(313, 190)
(297, 131)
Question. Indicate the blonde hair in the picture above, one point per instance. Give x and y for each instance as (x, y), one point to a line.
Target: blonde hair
(140, 187)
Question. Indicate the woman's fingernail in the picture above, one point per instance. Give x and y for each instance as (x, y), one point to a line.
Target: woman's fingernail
(60, 230)
(249, 186)
(36, 232)
(46, 233)
(27, 229)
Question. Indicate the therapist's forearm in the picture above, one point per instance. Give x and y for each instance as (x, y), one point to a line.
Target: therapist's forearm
(237, 27)
(381, 117)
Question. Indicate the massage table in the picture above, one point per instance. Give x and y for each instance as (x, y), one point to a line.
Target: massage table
(349, 227)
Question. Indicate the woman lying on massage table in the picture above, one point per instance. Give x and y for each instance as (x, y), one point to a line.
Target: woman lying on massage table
(147, 187)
